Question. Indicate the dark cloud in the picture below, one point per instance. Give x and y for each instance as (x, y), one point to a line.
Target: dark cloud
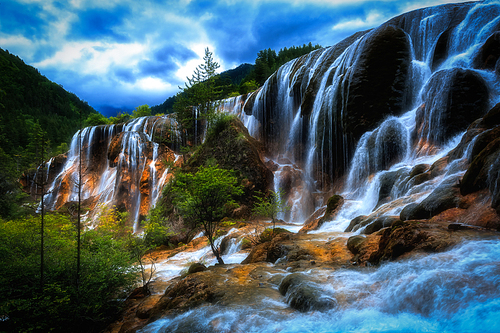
(174, 52)
(99, 24)
(124, 74)
(165, 30)
(159, 69)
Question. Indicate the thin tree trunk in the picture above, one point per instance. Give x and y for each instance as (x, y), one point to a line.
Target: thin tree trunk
(42, 226)
(78, 225)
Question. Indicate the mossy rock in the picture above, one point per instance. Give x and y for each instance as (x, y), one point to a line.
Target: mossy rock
(230, 146)
(268, 234)
(196, 267)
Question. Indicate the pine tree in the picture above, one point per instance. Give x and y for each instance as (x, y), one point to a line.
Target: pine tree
(196, 101)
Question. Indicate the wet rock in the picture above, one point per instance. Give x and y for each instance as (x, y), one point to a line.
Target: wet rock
(378, 80)
(196, 267)
(185, 294)
(303, 295)
(380, 223)
(387, 181)
(453, 99)
(476, 177)
(409, 236)
(355, 223)
(257, 254)
(313, 221)
(354, 243)
(489, 53)
(418, 169)
(334, 205)
(494, 184)
(445, 196)
(441, 49)
(146, 306)
(492, 118)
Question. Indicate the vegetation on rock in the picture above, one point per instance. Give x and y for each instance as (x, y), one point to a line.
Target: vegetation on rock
(204, 198)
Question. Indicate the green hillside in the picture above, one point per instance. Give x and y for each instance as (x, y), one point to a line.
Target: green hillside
(31, 106)
(27, 97)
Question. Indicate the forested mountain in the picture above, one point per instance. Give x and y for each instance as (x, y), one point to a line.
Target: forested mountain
(27, 97)
(31, 108)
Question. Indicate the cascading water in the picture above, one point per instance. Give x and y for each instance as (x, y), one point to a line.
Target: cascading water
(452, 291)
(122, 166)
(360, 118)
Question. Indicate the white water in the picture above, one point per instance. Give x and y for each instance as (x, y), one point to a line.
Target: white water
(454, 291)
(104, 181)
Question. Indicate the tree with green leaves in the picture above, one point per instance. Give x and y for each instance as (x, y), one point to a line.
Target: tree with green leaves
(196, 101)
(141, 111)
(96, 119)
(271, 206)
(205, 198)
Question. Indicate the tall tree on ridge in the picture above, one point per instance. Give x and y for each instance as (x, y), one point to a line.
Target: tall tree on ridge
(196, 101)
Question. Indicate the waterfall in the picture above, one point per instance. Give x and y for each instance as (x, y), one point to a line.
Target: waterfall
(122, 167)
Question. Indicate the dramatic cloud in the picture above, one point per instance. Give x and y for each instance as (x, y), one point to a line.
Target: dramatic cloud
(118, 54)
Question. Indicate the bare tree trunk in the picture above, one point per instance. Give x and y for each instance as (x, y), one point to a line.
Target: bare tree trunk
(78, 225)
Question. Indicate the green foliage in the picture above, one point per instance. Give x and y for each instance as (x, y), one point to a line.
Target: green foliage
(220, 122)
(141, 111)
(268, 234)
(196, 101)
(271, 206)
(248, 86)
(229, 81)
(10, 193)
(120, 118)
(62, 148)
(26, 97)
(156, 229)
(206, 197)
(60, 306)
(268, 61)
(96, 119)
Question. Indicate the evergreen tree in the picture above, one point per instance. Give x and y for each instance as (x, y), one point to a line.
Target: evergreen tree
(196, 101)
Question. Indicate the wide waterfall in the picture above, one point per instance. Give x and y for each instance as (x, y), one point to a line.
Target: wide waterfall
(309, 111)
(402, 121)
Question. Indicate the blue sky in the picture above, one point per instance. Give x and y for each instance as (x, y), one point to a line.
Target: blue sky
(119, 54)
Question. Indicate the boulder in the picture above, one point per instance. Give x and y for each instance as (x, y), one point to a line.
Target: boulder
(303, 295)
(378, 80)
(354, 243)
(445, 196)
(355, 222)
(488, 55)
(333, 206)
(476, 177)
(380, 223)
(453, 99)
(196, 267)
